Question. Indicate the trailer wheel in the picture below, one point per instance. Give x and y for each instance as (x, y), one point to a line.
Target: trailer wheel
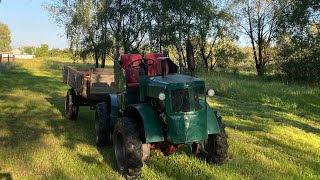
(71, 105)
(217, 145)
(128, 148)
(102, 125)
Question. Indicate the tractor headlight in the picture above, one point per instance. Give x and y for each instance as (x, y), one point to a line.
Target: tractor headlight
(162, 96)
(210, 92)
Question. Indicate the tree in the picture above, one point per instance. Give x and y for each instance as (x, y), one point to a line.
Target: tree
(28, 49)
(5, 38)
(172, 23)
(299, 39)
(297, 16)
(128, 24)
(257, 20)
(227, 55)
(42, 51)
(216, 27)
(86, 26)
(94, 27)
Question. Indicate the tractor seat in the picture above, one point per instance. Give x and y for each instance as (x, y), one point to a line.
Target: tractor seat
(132, 75)
(155, 69)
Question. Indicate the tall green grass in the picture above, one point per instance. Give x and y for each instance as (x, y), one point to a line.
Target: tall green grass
(274, 130)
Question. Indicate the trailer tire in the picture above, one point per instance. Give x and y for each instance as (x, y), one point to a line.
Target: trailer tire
(217, 145)
(71, 105)
(102, 124)
(128, 148)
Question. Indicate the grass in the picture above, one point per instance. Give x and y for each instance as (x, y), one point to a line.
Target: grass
(274, 130)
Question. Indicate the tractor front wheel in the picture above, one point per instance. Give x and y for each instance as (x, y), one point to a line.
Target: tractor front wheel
(71, 105)
(217, 145)
(128, 148)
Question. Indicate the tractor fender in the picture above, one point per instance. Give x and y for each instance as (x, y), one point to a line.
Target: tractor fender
(212, 120)
(149, 118)
(114, 108)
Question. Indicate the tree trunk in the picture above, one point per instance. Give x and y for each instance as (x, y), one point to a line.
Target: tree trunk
(117, 50)
(205, 59)
(150, 35)
(103, 59)
(260, 70)
(96, 57)
(180, 51)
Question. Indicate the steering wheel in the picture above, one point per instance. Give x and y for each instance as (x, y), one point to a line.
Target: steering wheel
(143, 63)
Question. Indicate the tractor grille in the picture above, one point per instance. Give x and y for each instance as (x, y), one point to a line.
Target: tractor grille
(180, 100)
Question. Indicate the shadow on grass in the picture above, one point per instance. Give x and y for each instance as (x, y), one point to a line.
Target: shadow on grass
(257, 120)
(259, 117)
(18, 111)
(108, 156)
(5, 176)
(251, 88)
(58, 65)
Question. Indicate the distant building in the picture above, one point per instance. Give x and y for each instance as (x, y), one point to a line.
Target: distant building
(16, 52)
(24, 56)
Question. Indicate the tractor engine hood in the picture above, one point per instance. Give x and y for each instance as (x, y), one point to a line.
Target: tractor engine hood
(152, 86)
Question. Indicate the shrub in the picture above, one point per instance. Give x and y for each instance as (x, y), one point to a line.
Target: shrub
(303, 67)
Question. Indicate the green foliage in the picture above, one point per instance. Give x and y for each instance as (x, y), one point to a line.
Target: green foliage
(299, 39)
(28, 49)
(5, 38)
(56, 52)
(228, 55)
(86, 25)
(97, 26)
(42, 51)
(300, 58)
(296, 15)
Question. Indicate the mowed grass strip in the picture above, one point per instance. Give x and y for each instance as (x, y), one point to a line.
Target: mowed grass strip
(274, 130)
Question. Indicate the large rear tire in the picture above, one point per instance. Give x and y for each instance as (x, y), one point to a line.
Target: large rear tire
(217, 145)
(71, 105)
(102, 124)
(128, 148)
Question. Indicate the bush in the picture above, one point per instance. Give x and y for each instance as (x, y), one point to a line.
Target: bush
(305, 67)
(299, 57)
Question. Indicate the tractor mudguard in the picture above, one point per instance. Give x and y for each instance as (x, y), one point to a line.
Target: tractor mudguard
(114, 109)
(151, 122)
(212, 121)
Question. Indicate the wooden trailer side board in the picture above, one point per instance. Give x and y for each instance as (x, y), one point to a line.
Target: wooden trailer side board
(93, 84)
(75, 78)
(102, 81)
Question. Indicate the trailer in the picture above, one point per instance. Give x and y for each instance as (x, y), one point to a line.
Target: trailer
(89, 86)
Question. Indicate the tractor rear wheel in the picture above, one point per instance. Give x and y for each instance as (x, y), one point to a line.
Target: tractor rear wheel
(71, 105)
(128, 148)
(102, 124)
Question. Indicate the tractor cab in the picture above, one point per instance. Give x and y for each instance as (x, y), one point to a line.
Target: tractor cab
(133, 69)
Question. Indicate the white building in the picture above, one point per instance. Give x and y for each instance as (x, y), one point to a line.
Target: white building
(18, 55)
(16, 52)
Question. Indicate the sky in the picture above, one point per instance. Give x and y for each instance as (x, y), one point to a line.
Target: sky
(30, 24)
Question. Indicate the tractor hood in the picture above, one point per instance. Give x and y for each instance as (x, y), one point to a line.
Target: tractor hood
(152, 86)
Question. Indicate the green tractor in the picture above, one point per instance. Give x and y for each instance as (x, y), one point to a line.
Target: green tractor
(154, 107)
